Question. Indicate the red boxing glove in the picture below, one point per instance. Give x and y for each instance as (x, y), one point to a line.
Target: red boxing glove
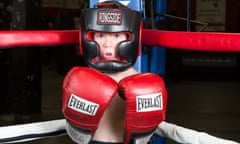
(86, 94)
(146, 101)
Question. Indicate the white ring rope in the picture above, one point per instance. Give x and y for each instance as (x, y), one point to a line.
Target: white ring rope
(53, 128)
(32, 131)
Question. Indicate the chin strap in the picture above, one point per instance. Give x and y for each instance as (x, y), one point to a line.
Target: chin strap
(110, 66)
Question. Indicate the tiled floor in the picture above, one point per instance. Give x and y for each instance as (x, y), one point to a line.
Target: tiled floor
(210, 106)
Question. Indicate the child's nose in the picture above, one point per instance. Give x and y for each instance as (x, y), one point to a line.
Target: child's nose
(108, 41)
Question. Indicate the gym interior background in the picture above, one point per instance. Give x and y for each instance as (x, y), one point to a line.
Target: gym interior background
(203, 87)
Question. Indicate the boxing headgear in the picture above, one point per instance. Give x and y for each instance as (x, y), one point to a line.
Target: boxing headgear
(110, 16)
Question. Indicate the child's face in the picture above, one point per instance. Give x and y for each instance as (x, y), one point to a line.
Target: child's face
(108, 43)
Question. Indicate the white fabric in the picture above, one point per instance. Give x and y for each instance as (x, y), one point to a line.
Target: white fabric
(78, 136)
(188, 136)
(143, 140)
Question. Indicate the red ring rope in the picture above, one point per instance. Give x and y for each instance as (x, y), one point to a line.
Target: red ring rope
(203, 41)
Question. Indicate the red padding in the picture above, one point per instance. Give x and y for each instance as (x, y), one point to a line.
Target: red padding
(22, 38)
(203, 41)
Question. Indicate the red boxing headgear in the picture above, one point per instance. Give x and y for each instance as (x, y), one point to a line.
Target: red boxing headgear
(110, 16)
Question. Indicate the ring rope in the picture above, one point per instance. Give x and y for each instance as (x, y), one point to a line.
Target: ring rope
(200, 41)
(32, 131)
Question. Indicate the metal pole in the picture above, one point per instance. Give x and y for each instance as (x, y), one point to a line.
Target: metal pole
(188, 15)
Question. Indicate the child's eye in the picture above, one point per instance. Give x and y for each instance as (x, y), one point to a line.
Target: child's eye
(100, 35)
(116, 35)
